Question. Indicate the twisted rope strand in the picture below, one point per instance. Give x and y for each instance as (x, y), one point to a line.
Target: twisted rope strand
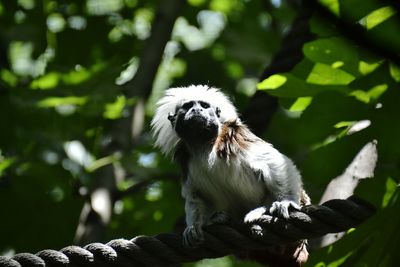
(166, 249)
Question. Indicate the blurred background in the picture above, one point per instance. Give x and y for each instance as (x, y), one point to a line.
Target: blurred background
(79, 81)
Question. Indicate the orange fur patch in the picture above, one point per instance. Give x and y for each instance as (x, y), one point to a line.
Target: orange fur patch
(233, 137)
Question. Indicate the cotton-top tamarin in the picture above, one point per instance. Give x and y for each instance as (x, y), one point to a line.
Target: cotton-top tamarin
(228, 171)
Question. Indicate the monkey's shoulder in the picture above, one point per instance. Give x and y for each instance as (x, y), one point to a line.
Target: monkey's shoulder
(233, 138)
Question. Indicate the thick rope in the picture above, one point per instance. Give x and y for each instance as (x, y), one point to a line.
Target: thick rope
(166, 249)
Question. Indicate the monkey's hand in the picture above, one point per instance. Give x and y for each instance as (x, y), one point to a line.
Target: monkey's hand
(281, 208)
(255, 215)
(193, 236)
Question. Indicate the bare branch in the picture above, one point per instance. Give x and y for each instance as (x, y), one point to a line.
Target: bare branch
(343, 186)
(161, 30)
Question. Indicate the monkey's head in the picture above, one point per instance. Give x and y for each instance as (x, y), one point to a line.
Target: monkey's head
(196, 121)
(193, 114)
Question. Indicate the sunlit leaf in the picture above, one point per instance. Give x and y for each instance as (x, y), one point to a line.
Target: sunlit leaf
(372, 94)
(336, 52)
(9, 77)
(365, 67)
(333, 5)
(196, 2)
(326, 75)
(377, 16)
(395, 72)
(225, 6)
(391, 188)
(287, 85)
(5, 163)
(48, 81)
(273, 82)
(76, 76)
(56, 101)
(301, 104)
(114, 110)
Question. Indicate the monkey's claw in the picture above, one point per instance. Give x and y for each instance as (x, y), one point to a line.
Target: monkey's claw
(256, 230)
(255, 215)
(281, 208)
(193, 236)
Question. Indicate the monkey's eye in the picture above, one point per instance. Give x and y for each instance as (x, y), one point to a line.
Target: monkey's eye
(204, 104)
(188, 105)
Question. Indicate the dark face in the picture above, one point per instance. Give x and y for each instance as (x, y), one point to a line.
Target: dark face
(196, 122)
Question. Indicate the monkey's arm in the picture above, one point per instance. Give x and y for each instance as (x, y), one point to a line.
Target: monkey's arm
(196, 213)
(279, 175)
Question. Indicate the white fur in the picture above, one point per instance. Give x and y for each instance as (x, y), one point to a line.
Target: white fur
(276, 170)
(164, 134)
(255, 177)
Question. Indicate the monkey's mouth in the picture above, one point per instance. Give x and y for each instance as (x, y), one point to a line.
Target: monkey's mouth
(197, 121)
(197, 118)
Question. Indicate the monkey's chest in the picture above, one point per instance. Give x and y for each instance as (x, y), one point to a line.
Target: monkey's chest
(231, 188)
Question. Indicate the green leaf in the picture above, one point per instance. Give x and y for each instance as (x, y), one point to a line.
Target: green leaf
(335, 52)
(332, 5)
(327, 75)
(366, 68)
(196, 2)
(78, 76)
(391, 187)
(354, 10)
(47, 81)
(114, 110)
(57, 101)
(373, 94)
(272, 82)
(300, 104)
(288, 85)
(378, 16)
(5, 163)
(395, 72)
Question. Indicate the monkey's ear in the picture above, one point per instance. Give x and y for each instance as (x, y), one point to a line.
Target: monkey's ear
(217, 111)
(172, 118)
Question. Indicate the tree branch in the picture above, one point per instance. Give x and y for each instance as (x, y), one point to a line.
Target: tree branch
(357, 33)
(262, 106)
(343, 186)
(161, 30)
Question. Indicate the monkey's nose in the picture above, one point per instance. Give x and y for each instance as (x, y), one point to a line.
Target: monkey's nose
(197, 110)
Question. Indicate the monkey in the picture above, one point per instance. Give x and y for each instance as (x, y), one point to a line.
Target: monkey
(229, 172)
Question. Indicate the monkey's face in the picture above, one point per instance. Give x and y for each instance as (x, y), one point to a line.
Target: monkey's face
(196, 122)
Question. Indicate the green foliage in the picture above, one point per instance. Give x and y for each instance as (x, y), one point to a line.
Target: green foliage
(337, 84)
(65, 71)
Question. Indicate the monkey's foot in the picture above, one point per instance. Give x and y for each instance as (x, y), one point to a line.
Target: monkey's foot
(255, 215)
(193, 236)
(281, 208)
(220, 217)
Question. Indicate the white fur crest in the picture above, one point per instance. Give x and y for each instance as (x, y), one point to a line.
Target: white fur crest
(165, 135)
